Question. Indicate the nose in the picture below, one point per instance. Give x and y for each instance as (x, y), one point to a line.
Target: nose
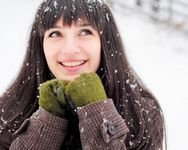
(70, 46)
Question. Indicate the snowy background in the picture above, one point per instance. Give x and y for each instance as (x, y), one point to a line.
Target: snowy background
(158, 53)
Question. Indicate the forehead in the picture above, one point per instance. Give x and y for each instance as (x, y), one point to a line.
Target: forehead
(79, 21)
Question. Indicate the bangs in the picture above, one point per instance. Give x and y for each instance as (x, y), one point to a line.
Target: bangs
(71, 11)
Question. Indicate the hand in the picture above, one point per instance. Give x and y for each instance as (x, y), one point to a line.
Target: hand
(85, 89)
(52, 97)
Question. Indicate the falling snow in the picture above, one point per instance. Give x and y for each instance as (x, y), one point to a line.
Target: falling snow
(65, 7)
(130, 143)
(46, 9)
(127, 81)
(3, 120)
(115, 71)
(86, 114)
(105, 120)
(107, 17)
(93, 1)
(55, 4)
(137, 47)
(82, 130)
(105, 101)
(133, 86)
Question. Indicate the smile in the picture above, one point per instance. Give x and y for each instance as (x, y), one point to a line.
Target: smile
(73, 63)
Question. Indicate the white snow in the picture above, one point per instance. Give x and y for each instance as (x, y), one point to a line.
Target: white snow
(158, 54)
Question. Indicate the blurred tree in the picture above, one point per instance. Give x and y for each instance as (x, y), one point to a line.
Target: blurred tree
(170, 10)
(155, 5)
(139, 2)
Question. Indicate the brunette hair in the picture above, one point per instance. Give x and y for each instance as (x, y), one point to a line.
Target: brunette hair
(134, 102)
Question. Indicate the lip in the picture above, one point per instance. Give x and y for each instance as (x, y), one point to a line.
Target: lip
(72, 63)
(73, 69)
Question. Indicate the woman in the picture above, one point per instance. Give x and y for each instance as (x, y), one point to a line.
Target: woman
(69, 39)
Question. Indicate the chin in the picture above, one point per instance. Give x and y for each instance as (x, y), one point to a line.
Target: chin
(69, 78)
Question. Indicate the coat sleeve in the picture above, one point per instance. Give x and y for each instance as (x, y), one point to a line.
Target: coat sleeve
(42, 131)
(101, 127)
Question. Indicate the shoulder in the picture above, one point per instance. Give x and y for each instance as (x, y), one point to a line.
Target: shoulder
(151, 110)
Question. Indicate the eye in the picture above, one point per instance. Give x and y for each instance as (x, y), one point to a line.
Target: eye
(85, 32)
(55, 34)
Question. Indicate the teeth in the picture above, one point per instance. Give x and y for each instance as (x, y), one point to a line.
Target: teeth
(73, 64)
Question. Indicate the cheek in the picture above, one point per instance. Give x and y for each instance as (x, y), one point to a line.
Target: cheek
(49, 50)
(98, 50)
(46, 49)
(96, 54)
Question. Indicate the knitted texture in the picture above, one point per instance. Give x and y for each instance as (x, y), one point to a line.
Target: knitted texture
(52, 97)
(44, 131)
(85, 89)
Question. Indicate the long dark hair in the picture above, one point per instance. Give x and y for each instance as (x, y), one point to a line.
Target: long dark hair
(134, 102)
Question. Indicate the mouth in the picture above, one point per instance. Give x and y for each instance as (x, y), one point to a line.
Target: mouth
(73, 63)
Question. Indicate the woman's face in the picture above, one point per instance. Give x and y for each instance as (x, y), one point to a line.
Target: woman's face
(72, 50)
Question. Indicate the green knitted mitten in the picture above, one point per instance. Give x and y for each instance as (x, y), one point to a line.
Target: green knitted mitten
(51, 96)
(85, 89)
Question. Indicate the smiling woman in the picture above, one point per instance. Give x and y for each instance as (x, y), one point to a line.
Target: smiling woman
(89, 96)
(72, 49)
